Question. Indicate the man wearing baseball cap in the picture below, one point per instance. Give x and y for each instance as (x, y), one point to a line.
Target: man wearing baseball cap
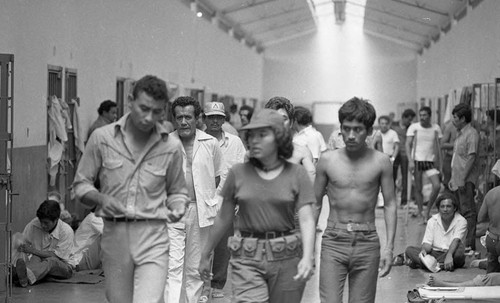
(233, 152)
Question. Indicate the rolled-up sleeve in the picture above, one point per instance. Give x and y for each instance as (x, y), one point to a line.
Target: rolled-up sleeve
(175, 181)
(88, 168)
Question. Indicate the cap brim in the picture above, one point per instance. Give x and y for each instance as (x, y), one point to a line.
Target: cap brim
(255, 126)
(215, 114)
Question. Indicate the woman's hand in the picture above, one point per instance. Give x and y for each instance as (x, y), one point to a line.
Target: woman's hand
(305, 269)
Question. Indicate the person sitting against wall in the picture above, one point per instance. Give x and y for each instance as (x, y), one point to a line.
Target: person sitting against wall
(444, 237)
(48, 243)
(87, 244)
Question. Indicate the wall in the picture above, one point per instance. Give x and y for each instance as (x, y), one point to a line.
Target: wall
(104, 40)
(339, 65)
(467, 54)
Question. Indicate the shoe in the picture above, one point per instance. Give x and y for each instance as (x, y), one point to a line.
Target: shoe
(22, 273)
(414, 297)
(206, 294)
(217, 293)
(398, 260)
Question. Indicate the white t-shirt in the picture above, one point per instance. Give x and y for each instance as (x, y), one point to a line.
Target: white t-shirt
(423, 142)
(388, 140)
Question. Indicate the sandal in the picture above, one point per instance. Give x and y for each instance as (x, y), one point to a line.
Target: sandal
(217, 293)
(413, 296)
(206, 294)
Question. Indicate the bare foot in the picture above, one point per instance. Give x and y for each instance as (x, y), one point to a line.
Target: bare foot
(433, 281)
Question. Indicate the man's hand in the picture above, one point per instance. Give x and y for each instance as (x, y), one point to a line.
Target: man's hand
(25, 248)
(411, 166)
(385, 263)
(305, 270)
(176, 211)
(448, 263)
(111, 207)
(205, 269)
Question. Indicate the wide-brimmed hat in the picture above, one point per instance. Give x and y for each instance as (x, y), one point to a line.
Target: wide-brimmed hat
(214, 108)
(265, 118)
(430, 262)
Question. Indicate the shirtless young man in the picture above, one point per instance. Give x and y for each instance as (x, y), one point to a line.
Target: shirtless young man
(490, 212)
(352, 177)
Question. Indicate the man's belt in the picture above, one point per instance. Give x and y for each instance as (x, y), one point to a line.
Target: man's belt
(353, 226)
(265, 235)
(126, 219)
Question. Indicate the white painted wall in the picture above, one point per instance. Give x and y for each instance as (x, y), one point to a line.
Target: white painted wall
(339, 63)
(104, 40)
(467, 54)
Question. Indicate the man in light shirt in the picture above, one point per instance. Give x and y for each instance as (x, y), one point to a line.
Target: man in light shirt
(306, 134)
(390, 140)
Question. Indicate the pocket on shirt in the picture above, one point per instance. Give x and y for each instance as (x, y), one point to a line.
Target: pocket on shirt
(113, 173)
(212, 207)
(154, 177)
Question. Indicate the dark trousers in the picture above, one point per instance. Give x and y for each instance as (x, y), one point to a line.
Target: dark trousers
(458, 257)
(221, 261)
(469, 212)
(493, 248)
(402, 160)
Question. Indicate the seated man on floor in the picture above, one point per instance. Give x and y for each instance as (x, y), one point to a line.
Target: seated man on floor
(443, 238)
(491, 279)
(87, 244)
(48, 244)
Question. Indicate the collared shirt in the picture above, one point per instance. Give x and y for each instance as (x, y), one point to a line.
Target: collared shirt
(438, 238)
(59, 241)
(145, 184)
(207, 165)
(99, 122)
(311, 138)
(233, 152)
(466, 145)
(336, 140)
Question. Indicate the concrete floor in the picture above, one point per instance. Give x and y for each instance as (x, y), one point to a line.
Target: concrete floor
(391, 289)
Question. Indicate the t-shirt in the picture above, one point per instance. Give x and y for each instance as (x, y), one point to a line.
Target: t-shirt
(389, 139)
(424, 140)
(268, 205)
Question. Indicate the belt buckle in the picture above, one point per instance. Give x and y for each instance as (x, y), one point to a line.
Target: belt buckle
(270, 235)
(349, 226)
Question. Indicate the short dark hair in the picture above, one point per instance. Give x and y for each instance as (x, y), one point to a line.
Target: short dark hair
(249, 109)
(187, 101)
(303, 116)
(384, 117)
(491, 114)
(281, 103)
(446, 196)
(358, 109)
(106, 106)
(463, 110)
(409, 113)
(151, 85)
(49, 209)
(426, 109)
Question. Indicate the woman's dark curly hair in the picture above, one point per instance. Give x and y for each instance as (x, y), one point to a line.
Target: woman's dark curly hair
(284, 141)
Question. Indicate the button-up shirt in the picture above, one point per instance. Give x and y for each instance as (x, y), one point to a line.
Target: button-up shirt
(438, 238)
(466, 146)
(59, 241)
(311, 138)
(233, 152)
(207, 165)
(145, 184)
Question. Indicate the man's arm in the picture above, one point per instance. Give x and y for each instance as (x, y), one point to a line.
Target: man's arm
(445, 140)
(409, 154)
(482, 216)
(306, 159)
(390, 216)
(26, 248)
(320, 183)
(448, 261)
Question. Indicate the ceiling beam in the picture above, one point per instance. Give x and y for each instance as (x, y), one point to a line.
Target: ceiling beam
(405, 18)
(273, 16)
(422, 7)
(246, 5)
(275, 28)
(267, 43)
(413, 45)
(399, 29)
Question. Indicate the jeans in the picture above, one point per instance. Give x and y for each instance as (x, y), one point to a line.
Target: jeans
(402, 160)
(355, 255)
(412, 253)
(469, 212)
(493, 248)
(262, 281)
(185, 254)
(135, 260)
